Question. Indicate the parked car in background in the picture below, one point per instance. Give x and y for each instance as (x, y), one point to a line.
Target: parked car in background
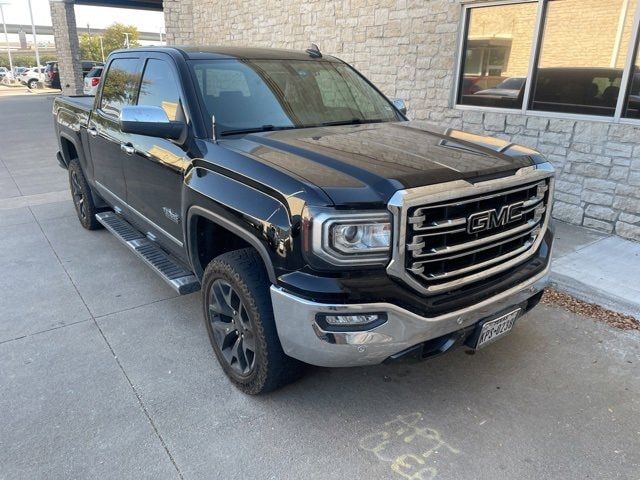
(92, 80)
(88, 65)
(51, 75)
(590, 91)
(32, 76)
(3, 72)
(507, 88)
(18, 70)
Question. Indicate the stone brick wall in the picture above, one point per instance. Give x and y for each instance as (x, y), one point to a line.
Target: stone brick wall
(67, 47)
(408, 49)
(178, 20)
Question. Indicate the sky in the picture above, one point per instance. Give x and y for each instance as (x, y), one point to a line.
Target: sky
(17, 11)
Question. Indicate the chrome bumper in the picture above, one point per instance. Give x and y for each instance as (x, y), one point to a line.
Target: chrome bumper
(302, 338)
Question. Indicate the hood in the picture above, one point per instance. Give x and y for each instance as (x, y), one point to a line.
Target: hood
(364, 164)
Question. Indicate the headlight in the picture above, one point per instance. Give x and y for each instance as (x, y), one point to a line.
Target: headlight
(360, 237)
(350, 237)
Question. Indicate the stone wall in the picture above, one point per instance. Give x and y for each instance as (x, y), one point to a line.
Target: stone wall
(178, 20)
(67, 47)
(408, 49)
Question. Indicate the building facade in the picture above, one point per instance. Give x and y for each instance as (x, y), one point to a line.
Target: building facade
(560, 76)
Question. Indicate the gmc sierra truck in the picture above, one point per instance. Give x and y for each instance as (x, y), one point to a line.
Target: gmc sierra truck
(321, 225)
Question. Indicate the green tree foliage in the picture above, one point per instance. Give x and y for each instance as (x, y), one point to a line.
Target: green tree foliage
(90, 47)
(113, 39)
(24, 60)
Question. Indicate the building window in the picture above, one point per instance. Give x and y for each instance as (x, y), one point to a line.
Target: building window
(632, 105)
(582, 51)
(496, 55)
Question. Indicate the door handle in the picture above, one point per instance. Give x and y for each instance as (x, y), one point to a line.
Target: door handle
(92, 131)
(127, 148)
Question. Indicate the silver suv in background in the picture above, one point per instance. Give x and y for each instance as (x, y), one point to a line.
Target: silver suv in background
(92, 81)
(31, 76)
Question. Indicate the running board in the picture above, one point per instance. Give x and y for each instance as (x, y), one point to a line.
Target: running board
(179, 278)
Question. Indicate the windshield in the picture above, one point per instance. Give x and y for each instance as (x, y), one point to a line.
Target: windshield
(258, 95)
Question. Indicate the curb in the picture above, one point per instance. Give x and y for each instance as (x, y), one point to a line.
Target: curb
(590, 294)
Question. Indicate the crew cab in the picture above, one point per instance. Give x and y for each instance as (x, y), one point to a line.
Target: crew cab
(320, 224)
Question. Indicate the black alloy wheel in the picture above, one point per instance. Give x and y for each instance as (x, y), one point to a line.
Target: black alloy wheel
(81, 195)
(231, 327)
(239, 319)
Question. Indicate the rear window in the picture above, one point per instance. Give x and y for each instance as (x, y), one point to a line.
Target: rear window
(120, 85)
(95, 72)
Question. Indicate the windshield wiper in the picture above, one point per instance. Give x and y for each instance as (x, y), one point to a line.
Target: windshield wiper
(353, 121)
(263, 128)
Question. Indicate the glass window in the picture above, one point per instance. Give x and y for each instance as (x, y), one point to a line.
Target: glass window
(120, 85)
(159, 88)
(497, 50)
(632, 106)
(277, 94)
(584, 47)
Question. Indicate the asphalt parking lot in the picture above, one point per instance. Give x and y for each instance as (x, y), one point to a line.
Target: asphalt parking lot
(106, 373)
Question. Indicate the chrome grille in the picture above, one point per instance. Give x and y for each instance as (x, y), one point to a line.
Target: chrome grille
(440, 248)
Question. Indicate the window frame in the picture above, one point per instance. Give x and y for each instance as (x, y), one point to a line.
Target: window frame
(538, 37)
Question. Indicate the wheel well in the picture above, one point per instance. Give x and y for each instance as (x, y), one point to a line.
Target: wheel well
(210, 241)
(69, 151)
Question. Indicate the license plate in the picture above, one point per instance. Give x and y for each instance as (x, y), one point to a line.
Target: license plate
(496, 328)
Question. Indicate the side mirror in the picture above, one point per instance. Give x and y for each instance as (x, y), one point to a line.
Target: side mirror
(150, 121)
(400, 105)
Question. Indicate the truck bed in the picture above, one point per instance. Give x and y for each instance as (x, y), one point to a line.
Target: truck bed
(84, 102)
(72, 111)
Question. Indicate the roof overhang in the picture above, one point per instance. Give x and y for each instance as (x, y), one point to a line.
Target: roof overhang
(135, 4)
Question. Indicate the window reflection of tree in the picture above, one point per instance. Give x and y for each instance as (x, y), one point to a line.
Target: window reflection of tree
(119, 89)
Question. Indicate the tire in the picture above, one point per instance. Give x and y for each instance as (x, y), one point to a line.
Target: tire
(81, 195)
(243, 331)
(33, 84)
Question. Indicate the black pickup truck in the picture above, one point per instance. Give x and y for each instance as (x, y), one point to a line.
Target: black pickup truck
(322, 226)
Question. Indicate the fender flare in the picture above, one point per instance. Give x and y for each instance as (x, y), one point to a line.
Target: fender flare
(65, 155)
(233, 228)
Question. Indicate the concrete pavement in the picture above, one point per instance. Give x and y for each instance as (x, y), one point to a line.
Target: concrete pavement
(598, 268)
(105, 373)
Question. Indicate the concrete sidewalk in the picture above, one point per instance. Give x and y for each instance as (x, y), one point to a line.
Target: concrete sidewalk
(597, 268)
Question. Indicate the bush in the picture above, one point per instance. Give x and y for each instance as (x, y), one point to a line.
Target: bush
(25, 60)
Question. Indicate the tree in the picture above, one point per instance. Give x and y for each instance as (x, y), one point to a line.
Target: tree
(114, 38)
(90, 47)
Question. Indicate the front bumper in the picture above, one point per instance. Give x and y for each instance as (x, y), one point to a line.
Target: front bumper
(302, 338)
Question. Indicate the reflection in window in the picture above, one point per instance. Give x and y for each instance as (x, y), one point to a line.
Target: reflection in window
(159, 88)
(120, 85)
(277, 94)
(584, 48)
(632, 107)
(497, 51)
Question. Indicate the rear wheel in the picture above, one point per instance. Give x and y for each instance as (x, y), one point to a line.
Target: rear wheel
(32, 84)
(82, 199)
(239, 320)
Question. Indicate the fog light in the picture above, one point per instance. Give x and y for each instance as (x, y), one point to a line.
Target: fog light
(364, 321)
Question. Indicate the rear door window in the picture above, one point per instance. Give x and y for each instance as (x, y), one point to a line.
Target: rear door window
(120, 85)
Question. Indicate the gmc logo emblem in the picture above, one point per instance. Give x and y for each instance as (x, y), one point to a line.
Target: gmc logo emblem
(490, 219)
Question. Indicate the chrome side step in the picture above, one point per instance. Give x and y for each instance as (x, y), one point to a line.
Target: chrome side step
(179, 278)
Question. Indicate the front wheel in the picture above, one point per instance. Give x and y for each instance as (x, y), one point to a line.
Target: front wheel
(33, 84)
(239, 320)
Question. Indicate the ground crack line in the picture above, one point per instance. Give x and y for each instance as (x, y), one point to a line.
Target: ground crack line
(115, 357)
